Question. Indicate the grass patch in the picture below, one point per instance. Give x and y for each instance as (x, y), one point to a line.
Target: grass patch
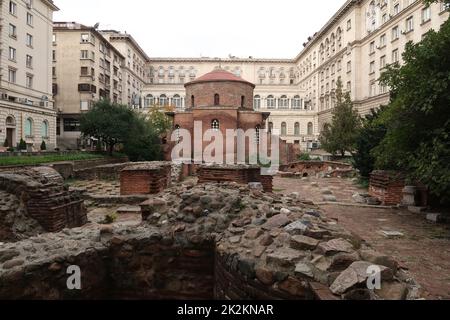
(363, 183)
(35, 160)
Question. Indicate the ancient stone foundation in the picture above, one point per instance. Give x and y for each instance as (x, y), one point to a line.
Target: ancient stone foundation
(145, 178)
(41, 194)
(223, 241)
(242, 174)
(314, 168)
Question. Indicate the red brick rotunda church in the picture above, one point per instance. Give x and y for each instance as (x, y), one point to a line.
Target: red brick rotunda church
(220, 101)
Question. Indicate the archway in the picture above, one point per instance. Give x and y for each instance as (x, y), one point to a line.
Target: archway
(10, 132)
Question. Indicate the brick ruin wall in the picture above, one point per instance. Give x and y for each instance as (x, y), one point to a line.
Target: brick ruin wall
(238, 174)
(145, 178)
(42, 194)
(387, 187)
(236, 246)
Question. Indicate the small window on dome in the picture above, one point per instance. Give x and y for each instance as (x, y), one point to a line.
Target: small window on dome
(192, 101)
(242, 101)
(215, 125)
(216, 99)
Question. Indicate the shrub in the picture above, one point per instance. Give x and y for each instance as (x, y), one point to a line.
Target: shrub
(43, 146)
(22, 145)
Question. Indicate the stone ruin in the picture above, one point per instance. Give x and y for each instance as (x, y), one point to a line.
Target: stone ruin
(223, 241)
(34, 200)
(145, 178)
(305, 169)
(242, 174)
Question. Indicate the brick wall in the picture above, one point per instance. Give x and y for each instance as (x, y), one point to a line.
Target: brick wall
(146, 178)
(387, 186)
(238, 174)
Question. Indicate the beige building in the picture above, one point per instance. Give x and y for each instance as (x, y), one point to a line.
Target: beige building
(26, 102)
(86, 68)
(134, 67)
(353, 46)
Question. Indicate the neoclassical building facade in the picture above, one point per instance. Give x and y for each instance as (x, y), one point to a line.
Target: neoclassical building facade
(354, 46)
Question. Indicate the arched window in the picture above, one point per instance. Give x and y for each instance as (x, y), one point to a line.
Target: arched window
(297, 129)
(310, 129)
(216, 99)
(10, 121)
(44, 129)
(283, 129)
(177, 132)
(296, 103)
(270, 102)
(270, 127)
(283, 103)
(192, 101)
(176, 101)
(163, 101)
(242, 101)
(215, 125)
(149, 101)
(257, 103)
(257, 133)
(29, 127)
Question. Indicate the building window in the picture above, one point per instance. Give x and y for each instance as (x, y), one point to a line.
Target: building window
(426, 14)
(257, 133)
(149, 101)
(29, 80)
(310, 129)
(372, 89)
(382, 40)
(283, 102)
(296, 103)
(216, 99)
(297, 129)
(270, 102)
(410, 24)
(44, 129)
(54, 38)
(192, 101)
(283, 129)
(372, 67)
(395, 56)
(29, 40)
(242, 101)
(71, 125)
(383, 62)
(349, 66)
(13, 8)
(395, 33)
(84, 105)
(215, 125)
(29, 61)
(12, 54)
(29, 19)
(12, 31)
(270, 127)
(12, 74)
(29, 127)
(349, 24)
(85, 37)
(163, 101)
(396, 9)
(372, 47)
(257, 103)
(176, 101)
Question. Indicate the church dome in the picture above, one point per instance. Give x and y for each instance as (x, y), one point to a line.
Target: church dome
(219, 75)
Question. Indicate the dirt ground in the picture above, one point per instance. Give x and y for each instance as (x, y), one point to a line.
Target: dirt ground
(424, 249)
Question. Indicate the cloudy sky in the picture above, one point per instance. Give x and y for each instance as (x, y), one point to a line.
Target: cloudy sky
(208, 28)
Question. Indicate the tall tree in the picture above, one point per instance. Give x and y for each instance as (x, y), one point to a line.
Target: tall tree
(108, 122)
(371, 134)
(418, 117)
(340, 136)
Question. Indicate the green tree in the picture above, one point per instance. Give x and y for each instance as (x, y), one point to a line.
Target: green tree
(418, 118)
(108, 122)
(144, 143)
(340, 136)
(43, 146)
(371, 134)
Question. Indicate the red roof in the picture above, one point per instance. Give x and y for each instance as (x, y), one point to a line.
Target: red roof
(219, 75)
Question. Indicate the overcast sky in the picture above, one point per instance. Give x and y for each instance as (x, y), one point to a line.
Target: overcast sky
(208, 28)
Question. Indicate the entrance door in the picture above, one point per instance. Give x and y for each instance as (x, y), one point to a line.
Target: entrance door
(10, 136)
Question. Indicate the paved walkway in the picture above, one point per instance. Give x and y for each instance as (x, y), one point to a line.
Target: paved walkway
(424, 249)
